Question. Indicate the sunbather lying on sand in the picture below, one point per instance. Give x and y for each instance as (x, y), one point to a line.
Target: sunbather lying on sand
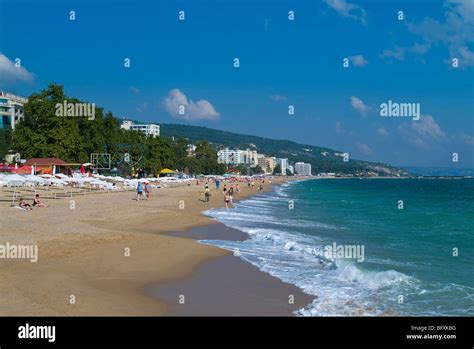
(24, 205)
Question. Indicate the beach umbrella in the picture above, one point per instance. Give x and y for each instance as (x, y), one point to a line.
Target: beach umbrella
(15, 180)
(35, 179)
(61, 175)
(83, 169)
(23, 170)
(57, 181)
(46, 175)
(15, 177)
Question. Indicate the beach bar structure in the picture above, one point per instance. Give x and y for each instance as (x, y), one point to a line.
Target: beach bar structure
(48, 165)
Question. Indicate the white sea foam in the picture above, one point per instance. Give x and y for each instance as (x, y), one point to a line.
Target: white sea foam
(276, 246)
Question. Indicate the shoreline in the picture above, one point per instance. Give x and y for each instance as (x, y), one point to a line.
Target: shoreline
(83, 252)
(238, 287)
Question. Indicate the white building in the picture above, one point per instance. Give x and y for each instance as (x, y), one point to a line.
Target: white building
(237, 157)
(11, 109)
(303, 169)
(249, 157)
(191, 149)
(228, 156)
(283, 164)
(148, 129)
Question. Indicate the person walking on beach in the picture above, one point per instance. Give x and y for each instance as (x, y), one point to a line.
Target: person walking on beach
(218, 183)
(139, 190)
(148, 190)
(227, 200)
(207, 195)
(237, 188)
(231, 194)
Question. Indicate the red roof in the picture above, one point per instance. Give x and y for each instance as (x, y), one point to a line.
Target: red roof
(45, 162)
(23, 170)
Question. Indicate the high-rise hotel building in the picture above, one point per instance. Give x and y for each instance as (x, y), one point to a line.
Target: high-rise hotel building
(11, 109)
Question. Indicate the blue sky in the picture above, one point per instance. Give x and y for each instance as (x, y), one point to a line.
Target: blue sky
(282, 63)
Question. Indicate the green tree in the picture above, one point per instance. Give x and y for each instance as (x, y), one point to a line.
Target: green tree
(207, 158)
(277, 169)
(243, 170)
(181, 148)
(190, 165)
(5, 142)
(43, 133)
(256, 170)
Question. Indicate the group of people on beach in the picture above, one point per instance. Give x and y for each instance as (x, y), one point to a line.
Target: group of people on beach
(36, 203)
(251, 184)
(143, 187)
(229, 193)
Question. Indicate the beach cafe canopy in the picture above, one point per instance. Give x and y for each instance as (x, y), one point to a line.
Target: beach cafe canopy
(167, 171)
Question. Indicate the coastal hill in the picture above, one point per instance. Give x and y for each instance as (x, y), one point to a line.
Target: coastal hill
(321, 159)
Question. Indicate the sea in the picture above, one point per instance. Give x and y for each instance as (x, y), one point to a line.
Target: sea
(363, 247)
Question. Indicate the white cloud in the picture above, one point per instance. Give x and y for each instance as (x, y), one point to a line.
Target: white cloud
(10, 74)
(360, 106)
(347, 9)
(358, 61)
(382, 131)
(278, 98)
(399, 53)
(364, 149)
(428, 128)
(135, 90)
(200, 110)
(468, 139)
(466, 55)
(455, 31)
(422, 133)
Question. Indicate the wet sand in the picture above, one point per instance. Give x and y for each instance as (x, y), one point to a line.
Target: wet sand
(228, 285)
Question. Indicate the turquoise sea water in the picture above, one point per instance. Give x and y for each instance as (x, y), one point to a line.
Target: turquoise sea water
(409, 265)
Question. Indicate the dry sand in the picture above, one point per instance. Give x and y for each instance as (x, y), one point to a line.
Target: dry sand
(83, 252)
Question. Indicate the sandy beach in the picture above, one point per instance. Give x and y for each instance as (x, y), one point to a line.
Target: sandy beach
(103, 256)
